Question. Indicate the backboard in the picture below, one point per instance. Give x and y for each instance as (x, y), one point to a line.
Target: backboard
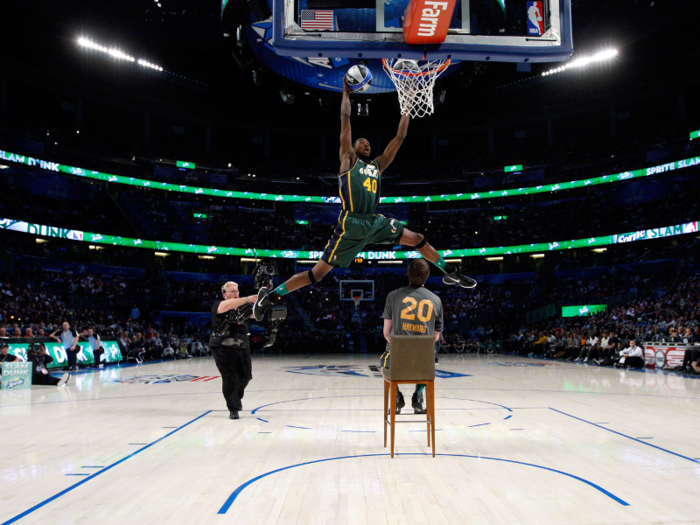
(350, 288)
(480, 30)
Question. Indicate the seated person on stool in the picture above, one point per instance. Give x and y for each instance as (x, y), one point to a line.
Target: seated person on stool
(412, 310)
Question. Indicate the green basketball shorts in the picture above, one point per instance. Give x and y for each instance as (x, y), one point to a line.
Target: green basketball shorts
(355, 231)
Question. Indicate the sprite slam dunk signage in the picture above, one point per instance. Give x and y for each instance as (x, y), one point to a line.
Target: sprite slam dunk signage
(16, 376)
(98, 238)
(181, 188)
(583, 309)
(85, 357)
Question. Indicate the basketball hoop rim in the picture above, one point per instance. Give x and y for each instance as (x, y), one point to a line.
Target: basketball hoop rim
(430, 71)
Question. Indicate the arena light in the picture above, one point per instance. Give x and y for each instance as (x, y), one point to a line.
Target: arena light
(494, 259)
(161, 254)
(206, 257)
(4, 167)
(457, 261)
(600, 250)
(306, 261)
(248, 259)
(578, 63)
(117, 53)
(389, 262)
(537, 255)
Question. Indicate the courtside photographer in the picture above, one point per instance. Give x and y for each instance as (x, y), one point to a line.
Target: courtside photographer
(38, 355)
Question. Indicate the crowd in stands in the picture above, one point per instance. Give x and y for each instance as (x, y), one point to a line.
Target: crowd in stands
(667, 314)
(37, 304)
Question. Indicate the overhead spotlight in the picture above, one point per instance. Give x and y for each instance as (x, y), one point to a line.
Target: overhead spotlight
(288, 98)
(583, 61)
(258, 77)
(325, 103)
(440, 97)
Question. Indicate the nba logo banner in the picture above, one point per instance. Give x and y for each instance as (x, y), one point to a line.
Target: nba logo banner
(535, 18)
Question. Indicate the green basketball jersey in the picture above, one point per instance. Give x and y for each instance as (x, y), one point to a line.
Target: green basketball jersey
(360, 187)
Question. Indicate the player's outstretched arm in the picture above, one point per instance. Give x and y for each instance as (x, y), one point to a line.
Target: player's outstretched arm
(347, 154)
(393, 147)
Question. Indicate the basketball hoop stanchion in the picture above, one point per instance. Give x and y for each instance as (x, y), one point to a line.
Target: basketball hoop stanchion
(414, 82)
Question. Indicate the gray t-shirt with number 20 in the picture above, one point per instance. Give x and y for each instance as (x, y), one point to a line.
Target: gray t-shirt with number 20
(414, 310)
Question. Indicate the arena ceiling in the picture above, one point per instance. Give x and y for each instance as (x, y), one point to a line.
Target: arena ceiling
(656, 40)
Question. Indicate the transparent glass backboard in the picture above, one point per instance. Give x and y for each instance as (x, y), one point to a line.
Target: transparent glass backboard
(497, 30)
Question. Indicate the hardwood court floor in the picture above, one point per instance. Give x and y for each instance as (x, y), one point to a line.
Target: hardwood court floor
(519, 441)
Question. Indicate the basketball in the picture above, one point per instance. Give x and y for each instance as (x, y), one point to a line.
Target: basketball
(359, 78)
(407, 66)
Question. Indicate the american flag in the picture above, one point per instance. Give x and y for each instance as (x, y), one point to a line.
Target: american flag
(317, 19)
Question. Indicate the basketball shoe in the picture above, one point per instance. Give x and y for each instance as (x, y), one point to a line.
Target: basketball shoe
(457, 278)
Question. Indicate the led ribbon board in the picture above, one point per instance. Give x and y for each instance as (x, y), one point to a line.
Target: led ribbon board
(226, 194)
(98, 238)
(112, 353)
(582, 310)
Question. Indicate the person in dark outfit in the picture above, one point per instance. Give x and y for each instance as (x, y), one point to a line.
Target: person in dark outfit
(40, 359)
(230, 346)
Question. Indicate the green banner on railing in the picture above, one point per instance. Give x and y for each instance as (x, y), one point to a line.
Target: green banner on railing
(112, 353)
(226, 194)
(162, 246)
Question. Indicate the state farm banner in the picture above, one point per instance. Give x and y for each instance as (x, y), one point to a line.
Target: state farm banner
(427, 21)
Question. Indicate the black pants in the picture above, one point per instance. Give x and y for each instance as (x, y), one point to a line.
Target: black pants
(73, 356)
(44, 379)
(98, 355)
(690, 356)
(634, 362)
(236, 372)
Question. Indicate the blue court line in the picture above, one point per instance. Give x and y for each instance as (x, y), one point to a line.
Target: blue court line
(303, 428)
(92, 476)
(479, 425)
(227, 504)
(477, 401)
(507, 417)
(361, 431)
(625, 436)
(263, 420)
(302, 399)
(334, 397)
(78, 474)
(371, 409)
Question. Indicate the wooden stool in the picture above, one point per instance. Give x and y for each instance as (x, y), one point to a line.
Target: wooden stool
(412, 361)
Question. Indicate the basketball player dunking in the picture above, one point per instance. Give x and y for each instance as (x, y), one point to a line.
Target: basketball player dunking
(358, 222)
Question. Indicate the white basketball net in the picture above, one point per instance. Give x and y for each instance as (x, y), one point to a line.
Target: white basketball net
(415, 85)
